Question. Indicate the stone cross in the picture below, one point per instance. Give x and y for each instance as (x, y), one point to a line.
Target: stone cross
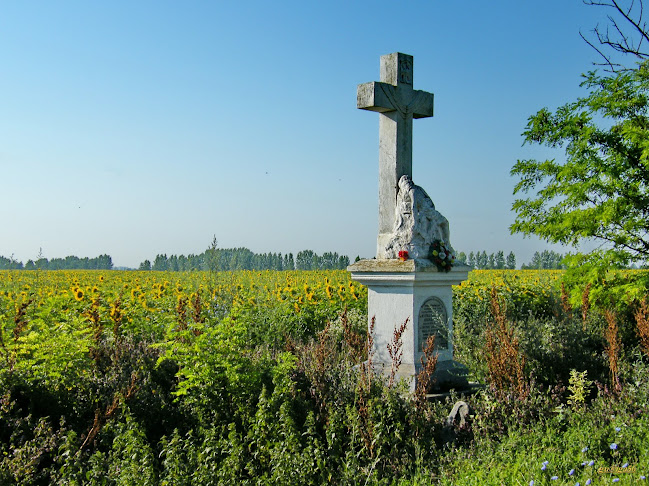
(398, 103)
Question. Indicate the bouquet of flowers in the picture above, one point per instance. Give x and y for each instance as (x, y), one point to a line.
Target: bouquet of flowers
(441, 256)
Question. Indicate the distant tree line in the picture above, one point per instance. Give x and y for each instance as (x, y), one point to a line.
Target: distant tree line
(102, 262)
(10, 264)
(483, 261)
(545, 260)
(226, 259)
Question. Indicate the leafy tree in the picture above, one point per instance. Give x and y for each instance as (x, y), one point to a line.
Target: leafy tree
(482, 260)
(546, 260)
(500, 260)
(491, 261)
(160, 263)
(306, 260)
(601, 191)
(42, 263)
(511, 261)
(10, 264)
(289, 264)
(145, 265)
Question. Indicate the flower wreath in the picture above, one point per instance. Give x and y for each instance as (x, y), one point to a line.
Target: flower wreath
(441, 256)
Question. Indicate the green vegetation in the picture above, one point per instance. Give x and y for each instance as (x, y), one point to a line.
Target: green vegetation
(601, 191)
(263, 378)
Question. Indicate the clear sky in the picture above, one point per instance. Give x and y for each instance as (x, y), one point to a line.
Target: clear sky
(137, 128)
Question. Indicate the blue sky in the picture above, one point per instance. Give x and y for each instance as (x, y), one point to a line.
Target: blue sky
(138, 128)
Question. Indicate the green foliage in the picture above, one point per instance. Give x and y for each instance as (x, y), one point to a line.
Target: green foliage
(561, 445)
(175, 388)
(608, 287)
(578, 387)
(131, 460)
(601, 191)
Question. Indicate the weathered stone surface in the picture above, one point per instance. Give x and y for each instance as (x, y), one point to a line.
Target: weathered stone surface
(398, 103)
(459, 415)
(408, 266)
(417, 223)
(413, 291)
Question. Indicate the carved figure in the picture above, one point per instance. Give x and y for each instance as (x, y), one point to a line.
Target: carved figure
(417, 223)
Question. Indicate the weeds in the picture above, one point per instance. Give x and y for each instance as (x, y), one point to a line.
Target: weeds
(395, 351)
(221, 408)
(579, 387)
(428, 366)
(505, 362)
(612, 347)
(642, 326)
(364, 391)
(20, 324)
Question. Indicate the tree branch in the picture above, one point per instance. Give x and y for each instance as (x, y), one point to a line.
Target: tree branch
(624, 43)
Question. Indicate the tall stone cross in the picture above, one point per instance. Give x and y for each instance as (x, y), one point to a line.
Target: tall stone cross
(398, 103)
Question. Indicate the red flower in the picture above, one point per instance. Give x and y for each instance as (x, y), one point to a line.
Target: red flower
(403, 255)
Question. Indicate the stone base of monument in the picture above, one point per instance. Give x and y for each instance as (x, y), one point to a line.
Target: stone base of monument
(414, 292)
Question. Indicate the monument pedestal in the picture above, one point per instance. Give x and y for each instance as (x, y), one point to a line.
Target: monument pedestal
(416, 291)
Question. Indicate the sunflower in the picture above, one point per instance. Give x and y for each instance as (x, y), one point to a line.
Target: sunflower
(78, 294)
(328, 290)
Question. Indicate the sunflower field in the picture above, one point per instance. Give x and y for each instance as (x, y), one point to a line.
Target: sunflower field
(112, 377)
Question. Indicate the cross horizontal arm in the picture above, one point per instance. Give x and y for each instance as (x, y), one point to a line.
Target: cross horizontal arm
(384, 97)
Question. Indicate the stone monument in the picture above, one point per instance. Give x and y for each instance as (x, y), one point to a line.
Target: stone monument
(412, 276)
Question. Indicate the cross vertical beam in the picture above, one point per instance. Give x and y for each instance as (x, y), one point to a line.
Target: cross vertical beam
(398, 103)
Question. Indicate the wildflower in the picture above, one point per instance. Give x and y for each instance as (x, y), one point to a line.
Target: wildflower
(554, 478)
(572, 471)
(616, 480)
(617, 429)
(626, 464)
(544, 467)
(591, 463)
(588, 481)
(584, 449)
(613, 446)
(532, 482)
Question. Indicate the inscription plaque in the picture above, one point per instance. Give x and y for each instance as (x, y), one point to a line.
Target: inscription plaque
(433, 321)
